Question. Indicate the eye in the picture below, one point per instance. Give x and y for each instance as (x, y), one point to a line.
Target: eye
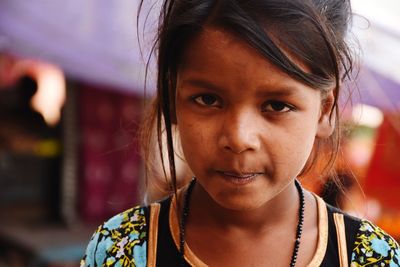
(208, 100)
(276, 106)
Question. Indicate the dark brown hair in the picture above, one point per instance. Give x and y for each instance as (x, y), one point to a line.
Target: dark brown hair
(312, 31)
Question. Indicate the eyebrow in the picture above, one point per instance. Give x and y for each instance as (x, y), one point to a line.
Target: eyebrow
(278, 91)
(203, 84)
(281, 91)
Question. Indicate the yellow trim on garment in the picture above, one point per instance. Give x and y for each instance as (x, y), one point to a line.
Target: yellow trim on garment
(341, 237)
(153, 235)
(322, 233)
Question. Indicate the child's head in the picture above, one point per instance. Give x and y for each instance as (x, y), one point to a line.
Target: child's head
(295, 43)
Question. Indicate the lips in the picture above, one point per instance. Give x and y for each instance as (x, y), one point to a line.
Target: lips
(239, 178)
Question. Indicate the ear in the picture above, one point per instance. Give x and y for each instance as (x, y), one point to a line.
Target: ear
(326, 123)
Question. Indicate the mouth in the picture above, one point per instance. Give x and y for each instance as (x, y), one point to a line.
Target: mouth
(239, 178)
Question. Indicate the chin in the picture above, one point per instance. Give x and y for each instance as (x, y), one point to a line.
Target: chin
(240, 203)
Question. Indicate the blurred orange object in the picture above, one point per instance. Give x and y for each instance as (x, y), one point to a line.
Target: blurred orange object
(390, 222)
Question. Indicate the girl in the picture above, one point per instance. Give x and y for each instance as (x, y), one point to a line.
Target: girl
(252, 88)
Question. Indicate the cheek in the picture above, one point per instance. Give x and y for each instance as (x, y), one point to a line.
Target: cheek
(297, 143)
(194, 147)
(305, 142)
(194, 138)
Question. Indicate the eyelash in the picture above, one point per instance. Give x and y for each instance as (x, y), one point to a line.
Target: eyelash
(285, 107)
(197, 100)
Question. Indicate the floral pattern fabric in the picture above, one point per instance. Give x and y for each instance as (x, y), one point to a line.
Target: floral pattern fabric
(373, 247)
(119, 242)
(122, 242)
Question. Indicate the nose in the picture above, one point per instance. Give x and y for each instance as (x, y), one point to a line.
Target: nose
(240, 132)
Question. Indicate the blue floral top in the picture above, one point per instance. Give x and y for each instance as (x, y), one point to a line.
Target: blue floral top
(121, 241)
(124, 241)
(373, 247)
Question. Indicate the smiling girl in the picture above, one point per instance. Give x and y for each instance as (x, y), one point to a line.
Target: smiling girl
(252, 88)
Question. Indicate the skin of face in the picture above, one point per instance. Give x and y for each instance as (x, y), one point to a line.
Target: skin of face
(246, 128)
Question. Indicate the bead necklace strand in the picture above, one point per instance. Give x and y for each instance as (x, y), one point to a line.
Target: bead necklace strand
(185, 213)
(300, 223)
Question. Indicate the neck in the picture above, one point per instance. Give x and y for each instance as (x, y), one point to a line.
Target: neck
(280, 210)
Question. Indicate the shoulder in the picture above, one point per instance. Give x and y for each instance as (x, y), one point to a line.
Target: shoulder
(367, 244)
(120, 241)
(374, 247)
(352, 224)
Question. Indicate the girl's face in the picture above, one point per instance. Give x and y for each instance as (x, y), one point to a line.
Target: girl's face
(246, 128)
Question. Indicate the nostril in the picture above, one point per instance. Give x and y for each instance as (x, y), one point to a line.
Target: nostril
(237, 145)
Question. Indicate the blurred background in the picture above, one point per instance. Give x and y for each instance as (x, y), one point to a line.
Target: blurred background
(71, 101)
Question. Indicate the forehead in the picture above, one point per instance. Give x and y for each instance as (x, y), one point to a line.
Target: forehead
(214, 44)
(218, 38)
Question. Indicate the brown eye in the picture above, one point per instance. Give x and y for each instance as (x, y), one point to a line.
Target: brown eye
(207, 100)
(276, 106)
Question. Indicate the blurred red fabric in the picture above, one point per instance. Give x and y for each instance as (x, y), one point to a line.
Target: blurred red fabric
(383, 177)
(109, 158)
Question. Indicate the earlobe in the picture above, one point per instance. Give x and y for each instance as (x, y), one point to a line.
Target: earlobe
(326, 123)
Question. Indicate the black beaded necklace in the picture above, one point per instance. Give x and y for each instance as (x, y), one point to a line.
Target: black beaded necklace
(185, 213)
